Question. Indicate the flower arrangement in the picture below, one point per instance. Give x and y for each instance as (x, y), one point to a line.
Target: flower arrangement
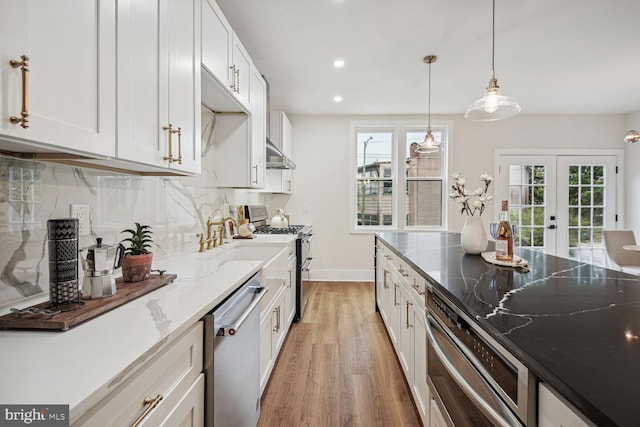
(470, 202)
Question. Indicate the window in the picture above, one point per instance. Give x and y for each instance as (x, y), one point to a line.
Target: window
(385, 160)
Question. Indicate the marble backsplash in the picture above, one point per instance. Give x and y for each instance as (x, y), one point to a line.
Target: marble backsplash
(32, 192)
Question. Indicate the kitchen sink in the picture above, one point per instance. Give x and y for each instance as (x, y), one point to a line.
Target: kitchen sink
(242, 253)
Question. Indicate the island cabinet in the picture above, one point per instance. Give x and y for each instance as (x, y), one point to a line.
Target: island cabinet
(57, 78)
(400, 296)
(555, 411)
(168, 390)
(159, 84)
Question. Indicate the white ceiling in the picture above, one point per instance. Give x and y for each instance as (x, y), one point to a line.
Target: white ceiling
(553, 56)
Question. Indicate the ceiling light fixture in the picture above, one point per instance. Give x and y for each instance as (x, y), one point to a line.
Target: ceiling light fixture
(429, 145)
(337, 98)
(632, 137)
(492, 106)
(338, 63)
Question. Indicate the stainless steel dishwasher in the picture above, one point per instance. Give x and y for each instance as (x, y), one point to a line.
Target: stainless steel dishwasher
(232, 358)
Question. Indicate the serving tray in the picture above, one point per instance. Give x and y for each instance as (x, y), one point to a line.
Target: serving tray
(91, 308)
(518, 262)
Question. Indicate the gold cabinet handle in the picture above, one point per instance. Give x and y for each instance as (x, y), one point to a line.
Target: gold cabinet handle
(408, 304)
(233, 77)
(179, 132)
(277, 312)
(395, 294)
(152, 404)
(170, 155)
(23, 120)
(256, 168)
(237, 71)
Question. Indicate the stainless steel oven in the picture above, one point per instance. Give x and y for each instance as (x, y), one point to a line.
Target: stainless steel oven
(473, 379)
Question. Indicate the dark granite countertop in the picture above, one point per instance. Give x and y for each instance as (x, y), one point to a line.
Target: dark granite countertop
(576, 326)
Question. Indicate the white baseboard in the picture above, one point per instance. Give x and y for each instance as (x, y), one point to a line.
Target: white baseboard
(341, 275)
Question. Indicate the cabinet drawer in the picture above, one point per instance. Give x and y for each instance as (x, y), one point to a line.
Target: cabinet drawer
(170, 374)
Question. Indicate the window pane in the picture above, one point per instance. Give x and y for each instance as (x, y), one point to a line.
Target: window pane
(424, 203)
(374, 171)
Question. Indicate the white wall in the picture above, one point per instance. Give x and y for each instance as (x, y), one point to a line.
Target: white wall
(632, 160)
(321, 194)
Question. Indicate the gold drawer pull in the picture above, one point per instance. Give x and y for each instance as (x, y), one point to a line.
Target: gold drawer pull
(179, 132)
(152, 404)
(24, 67)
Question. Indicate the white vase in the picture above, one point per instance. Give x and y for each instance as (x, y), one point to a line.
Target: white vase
(474, 236)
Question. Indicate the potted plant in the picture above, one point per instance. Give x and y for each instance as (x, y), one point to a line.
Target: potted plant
(136, 264)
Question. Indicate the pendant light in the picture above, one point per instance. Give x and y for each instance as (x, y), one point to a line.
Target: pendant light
(492, 106)
(429, 145)
(632, 137)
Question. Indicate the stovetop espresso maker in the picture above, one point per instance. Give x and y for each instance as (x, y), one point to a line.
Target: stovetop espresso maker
(99, 265)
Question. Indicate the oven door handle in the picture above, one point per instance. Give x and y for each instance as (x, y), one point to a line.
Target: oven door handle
(306, 265)
(506, 419)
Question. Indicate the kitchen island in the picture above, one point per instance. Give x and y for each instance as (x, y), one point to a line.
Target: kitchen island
(575, 326)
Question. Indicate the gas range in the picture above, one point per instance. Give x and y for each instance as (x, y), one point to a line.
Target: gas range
(267, 229)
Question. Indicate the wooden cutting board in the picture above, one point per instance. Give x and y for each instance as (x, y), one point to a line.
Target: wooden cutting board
(126, 291)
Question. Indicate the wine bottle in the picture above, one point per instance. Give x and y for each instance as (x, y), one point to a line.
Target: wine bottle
(504, 235)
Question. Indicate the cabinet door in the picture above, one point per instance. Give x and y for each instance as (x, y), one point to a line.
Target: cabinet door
(241, 71)
(217, 35)
(188, 412)
(158, 57)
(258, 129)
(553, 411)
(266, 353)
(420, 385)
(406, 334)
(70, 83)
(184, 82)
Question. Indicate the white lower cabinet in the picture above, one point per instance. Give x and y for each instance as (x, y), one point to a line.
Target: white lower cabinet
(272, 333)
(400, 298)
(435, 416)
(167, 390)
(554, 411)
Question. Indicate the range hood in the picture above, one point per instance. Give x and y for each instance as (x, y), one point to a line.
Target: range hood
(276, 158)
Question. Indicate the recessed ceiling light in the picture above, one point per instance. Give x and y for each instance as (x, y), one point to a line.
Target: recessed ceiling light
(337, 98)
(338, 63)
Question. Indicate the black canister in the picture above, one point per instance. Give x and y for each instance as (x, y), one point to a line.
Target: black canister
(63, 261)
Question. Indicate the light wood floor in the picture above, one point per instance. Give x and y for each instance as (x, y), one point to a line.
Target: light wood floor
(337, 366)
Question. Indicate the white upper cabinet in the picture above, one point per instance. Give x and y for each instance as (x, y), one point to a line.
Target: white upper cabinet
(159, 83)
(66, 88)
(217, 36)
(240, 151)
(226, 65)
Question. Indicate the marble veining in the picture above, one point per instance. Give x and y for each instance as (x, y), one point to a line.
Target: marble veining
(576, 326)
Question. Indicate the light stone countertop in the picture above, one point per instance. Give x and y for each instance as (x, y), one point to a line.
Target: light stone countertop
(81, 366)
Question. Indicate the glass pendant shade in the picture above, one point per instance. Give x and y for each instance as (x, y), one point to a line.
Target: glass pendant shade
(632, 137)
(429, 145)
(492, 106)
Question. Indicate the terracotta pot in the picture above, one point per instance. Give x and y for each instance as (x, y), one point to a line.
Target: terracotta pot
(136, 267)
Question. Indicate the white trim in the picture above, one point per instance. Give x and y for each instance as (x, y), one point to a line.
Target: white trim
(620, 164)
(342, 275)
(398, 179)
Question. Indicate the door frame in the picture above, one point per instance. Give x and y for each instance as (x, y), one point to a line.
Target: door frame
(620, 176)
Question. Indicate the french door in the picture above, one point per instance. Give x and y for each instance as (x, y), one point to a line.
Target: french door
(559, 203)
